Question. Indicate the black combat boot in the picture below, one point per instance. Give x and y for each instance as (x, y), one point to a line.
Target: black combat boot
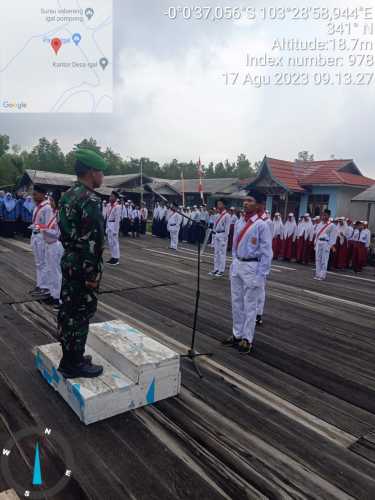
(75, 365)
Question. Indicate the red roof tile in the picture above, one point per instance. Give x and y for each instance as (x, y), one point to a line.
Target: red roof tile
(283, 171)
(296, 175)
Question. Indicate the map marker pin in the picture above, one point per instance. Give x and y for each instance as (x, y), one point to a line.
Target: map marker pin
(76, 38)
(56, 44)
(103, 63)
(89, 13)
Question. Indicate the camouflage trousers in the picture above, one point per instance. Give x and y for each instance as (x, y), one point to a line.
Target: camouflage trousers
(78, 306)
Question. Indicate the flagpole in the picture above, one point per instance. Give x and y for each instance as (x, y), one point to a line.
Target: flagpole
(183, 186)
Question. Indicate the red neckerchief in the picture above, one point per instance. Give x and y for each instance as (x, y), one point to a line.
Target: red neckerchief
(51, 223)
(112, 207)
(221, 216)
(38, 209)
(323, 228)
(244, 230)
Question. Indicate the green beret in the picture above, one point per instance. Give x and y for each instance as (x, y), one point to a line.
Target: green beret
(91, 159)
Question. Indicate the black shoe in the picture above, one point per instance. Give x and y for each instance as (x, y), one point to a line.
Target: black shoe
(110, 261)
(231, 341)
(80, 370)
(115, 262)
(244, 347)
(259, 320)
(56, 305)
(48, 300)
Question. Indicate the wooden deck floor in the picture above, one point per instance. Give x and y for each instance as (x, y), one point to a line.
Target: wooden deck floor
(296, 419)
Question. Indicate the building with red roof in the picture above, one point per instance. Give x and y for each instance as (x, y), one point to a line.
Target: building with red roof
(310, 186)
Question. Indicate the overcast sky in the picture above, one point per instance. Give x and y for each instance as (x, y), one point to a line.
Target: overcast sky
(171, 101)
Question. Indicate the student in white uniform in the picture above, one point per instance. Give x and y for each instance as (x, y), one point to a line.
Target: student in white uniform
(54, 253)
(221, 233)
(144, 217)
(41, 216)
(252, 258)
(325, 240)
(264, 215)
(114, 210)
(174, 224)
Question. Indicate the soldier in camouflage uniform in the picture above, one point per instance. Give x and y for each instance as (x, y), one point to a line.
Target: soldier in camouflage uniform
(82, 235)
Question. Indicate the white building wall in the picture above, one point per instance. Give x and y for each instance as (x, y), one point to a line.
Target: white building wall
(345, 208)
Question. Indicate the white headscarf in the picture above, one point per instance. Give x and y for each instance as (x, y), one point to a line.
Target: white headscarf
(342, 231)
(278, 226)
(9, 202)
(290, 226)
(29, 204)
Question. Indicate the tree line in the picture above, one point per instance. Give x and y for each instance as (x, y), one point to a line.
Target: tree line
(48, 156)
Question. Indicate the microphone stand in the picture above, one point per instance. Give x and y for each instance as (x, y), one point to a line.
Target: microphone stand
(192, 354)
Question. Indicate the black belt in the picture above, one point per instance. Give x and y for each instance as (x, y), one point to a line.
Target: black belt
(219, 232)
(323, 239)
(252, 259)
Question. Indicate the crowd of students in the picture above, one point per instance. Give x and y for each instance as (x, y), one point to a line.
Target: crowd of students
(16, 214)
(297, 241)
(291, 240)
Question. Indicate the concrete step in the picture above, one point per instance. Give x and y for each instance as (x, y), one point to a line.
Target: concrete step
(132, 352)
(137, 372)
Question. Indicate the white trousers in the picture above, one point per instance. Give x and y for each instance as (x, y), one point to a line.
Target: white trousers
(245, 290)
(174, 238)
(113, 242)
(322, 252)
(261, 299)
(38, 246)
(220, 252)
(54, 252)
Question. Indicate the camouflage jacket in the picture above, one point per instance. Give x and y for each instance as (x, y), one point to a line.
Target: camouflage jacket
(82, 233)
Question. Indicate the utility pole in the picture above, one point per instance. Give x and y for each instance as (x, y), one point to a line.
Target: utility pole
(141, 180)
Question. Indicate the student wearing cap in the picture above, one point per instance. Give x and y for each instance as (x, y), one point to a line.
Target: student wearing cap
(315, 222)
(174, 223)
(325, 240)
(113, 228)
(277, 236)
(82, 236)
(136, 222)
(289, 238)
(204, 216)
(252, 258)
(126, 216)
(144, 217)
(41, 216)
(220, 242)
(233, 220)
(54, 252)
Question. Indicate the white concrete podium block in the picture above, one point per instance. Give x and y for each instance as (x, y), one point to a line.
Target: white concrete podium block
(137, 371)
(132, 352)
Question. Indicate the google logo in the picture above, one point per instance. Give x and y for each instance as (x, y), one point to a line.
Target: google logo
(14, 105)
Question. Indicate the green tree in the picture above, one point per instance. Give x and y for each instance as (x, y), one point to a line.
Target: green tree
(114, 162)
(46, 156)
(88, 144)
(244, 168)
(4, 144)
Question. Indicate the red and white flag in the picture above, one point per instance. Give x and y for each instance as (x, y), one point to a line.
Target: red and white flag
(200, 179)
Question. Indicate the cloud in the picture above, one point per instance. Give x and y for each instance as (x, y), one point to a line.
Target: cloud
(172, 101)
